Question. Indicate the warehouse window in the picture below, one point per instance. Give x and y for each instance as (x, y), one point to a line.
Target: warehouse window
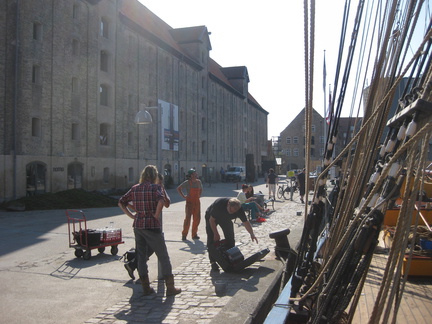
(36, 74)
(75, 47)
(75, 11)
(106, 175)
(104, 134)
(74, 85)
(37, 31)
(131, 175)
(104, 61)
(104, 27)
(75, 132)
(36, 127)
(103, 95)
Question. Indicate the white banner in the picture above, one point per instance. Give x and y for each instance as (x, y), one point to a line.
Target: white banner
(170, 126)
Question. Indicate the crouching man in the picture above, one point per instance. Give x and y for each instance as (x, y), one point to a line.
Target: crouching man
(222, 212)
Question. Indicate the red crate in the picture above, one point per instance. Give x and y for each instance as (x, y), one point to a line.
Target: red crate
(111, 235)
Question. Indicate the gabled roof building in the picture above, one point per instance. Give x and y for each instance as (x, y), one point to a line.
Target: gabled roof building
(76, 73)
(292, 141)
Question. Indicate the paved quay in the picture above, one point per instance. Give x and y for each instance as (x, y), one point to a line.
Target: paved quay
(242, 294)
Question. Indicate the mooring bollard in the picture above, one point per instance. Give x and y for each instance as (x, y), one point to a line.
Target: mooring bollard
(282, 247)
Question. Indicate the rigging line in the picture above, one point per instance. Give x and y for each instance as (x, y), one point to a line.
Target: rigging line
(395, 257)
(405, 278)
(421, 166)
(364, 125)
(366, 29)
(310, 107)
(372, 116)
(331, 129)
(399, 36)
(362, 50)
(364, 81)
(349, 61)
(306, 50)
(421, 64)
(409, 30)
(367, 202)
(423, 76)
(410, 143)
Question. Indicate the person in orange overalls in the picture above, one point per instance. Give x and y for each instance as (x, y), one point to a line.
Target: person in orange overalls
(193, 189)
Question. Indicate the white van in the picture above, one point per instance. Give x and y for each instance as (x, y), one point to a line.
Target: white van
(236, 173)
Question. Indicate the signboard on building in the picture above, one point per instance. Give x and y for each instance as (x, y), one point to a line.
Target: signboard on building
(170, 126)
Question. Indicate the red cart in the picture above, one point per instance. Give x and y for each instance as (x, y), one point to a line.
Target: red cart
(83, 240)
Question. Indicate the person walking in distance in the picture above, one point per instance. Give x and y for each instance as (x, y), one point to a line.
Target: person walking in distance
(301, 179)
(193, 188)
(272, 179)
(148, 200)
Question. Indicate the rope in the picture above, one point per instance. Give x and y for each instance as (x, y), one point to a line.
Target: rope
(350, 220)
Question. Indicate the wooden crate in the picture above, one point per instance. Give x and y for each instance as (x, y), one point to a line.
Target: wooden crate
(420, 266)
(391, 216)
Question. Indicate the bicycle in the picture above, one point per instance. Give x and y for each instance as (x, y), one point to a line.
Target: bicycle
(290, 188)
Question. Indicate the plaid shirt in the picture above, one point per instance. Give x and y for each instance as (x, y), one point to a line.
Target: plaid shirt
(145, 197)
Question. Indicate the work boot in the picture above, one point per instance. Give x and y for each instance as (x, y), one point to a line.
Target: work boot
(145, 283)
(171, 290)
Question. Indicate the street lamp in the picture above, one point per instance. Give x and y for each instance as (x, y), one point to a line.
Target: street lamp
(143, 117)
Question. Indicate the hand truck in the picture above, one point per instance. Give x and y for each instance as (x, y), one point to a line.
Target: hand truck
(83, 240)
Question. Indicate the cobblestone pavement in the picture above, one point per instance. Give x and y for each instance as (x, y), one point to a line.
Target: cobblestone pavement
(198, 301)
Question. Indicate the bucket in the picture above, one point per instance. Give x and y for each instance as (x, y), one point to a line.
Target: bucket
(425, 244)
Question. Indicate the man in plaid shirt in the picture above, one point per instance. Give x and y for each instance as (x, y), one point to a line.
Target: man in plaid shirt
(147, 198)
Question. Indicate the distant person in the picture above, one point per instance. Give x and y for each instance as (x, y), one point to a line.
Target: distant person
(193, 188)
(248, 204)
(272, 179)
(148, 198)
(301, 181)
(221, 213)
(222, 174)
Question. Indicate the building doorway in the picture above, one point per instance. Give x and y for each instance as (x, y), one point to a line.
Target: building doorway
(74, 175)
(35, 174)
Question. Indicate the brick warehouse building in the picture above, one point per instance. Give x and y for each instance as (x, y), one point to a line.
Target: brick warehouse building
(292, 141)
(74, 75)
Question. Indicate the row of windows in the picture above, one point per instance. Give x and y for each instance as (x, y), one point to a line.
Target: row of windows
(295, 140)
(295, 152)
(104, 25)
(104, 135)
(104, 89)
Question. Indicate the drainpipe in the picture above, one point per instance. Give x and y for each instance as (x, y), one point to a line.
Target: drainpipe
(14, 113)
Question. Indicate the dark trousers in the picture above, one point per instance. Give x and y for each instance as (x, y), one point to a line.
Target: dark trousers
(156, 241)
(228, 231)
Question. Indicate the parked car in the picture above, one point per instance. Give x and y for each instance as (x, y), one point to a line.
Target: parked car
(236, 173)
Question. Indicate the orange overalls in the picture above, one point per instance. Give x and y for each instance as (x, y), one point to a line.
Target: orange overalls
(193, 208)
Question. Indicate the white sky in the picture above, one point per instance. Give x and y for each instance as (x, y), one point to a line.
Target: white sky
(268, 38)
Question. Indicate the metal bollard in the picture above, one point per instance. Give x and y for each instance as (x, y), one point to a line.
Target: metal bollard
(282, 244)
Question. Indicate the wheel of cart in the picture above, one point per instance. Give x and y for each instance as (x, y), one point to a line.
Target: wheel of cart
(83, 240)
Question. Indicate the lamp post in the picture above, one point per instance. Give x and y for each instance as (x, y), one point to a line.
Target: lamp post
(143, 117)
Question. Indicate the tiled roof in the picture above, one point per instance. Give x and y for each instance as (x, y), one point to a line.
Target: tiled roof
(147, 20)
(191, 34)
